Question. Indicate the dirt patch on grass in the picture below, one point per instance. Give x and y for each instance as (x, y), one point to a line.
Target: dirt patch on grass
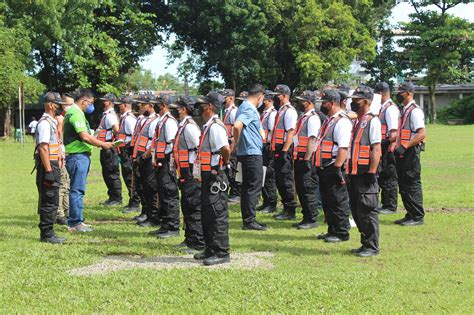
(130, 261)
(449, 210)
(111, 221)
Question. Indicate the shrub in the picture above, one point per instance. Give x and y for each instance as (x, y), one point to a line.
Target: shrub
(459, 109)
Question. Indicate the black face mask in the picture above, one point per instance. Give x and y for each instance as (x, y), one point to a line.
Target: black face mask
(400, 98)
(58, 111)
(146, 113)
(276, 102)
(324, 110)
(355, 106)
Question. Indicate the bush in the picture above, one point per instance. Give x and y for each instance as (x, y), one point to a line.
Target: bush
(460, 109)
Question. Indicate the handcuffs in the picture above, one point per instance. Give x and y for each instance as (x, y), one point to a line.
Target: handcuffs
(218, 186)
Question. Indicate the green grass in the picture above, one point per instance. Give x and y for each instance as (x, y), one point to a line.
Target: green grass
(425, 269)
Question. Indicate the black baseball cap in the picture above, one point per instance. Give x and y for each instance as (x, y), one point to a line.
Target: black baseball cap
(213, 98)
(227, 92)
(363, 92)
(184, 101)
(330, 96)
(124, 99)
(144, 99)
(164, 99)
(109, 97)
(53, 97)
(406, 87)
(309, 96)
(69, 94)
(268, 95)
(382, 87)
(282, 89)
(243, 95)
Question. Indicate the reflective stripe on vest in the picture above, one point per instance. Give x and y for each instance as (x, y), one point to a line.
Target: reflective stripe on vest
(264, 119)
(142, 140)
(54, 145)
(323, 156)
(404, 127)
(227, 124)
(204, 153)
(383, 120)
(302, 134)
(136, 131)
(102, 136)
(122, 135)
(359, 160)
(180, 148)
(159, 140)
(278, 133)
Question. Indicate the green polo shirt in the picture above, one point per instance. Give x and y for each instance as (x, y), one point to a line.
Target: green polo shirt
(75, 122)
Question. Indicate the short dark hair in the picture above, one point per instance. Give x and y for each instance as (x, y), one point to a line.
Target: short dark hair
(256, 89)
(83, 93)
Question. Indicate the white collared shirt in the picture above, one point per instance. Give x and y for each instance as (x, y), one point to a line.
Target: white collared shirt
(342, 133)
(417, 118)
(44, 129)
(217, 139)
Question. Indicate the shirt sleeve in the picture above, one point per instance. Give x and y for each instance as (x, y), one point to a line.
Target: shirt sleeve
(271, 120)
(375, 132)
(245, 116)
(417, 119)
(314, 124)
(79, 123)
(232, 115)
(290, 119)
(171, 130)
(217, 137)
(130, 123)
(392, 114)
(192, 134)
(110, 120)
(44, 132)
(343, 132)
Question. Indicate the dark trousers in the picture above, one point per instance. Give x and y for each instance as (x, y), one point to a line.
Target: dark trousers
(168, 194)
(335, 202)
(127, 174)
(307, 188)
(215, 216)
(191, 207)
(234, 186)
(111, 173)
(48, 198)
(364, 200)
(283, 163)
(151, 200)
(409, 182)
(388, 180)
(269, 188)
(252, 176)
(137, 184)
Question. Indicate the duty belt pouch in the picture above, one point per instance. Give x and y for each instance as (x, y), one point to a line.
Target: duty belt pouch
(422, 146)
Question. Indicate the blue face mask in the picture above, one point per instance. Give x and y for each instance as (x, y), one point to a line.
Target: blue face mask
(90, 108)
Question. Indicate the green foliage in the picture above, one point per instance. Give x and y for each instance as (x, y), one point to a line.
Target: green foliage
(459, 109)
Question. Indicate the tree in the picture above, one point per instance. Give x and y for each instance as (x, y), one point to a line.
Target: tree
(441, 46)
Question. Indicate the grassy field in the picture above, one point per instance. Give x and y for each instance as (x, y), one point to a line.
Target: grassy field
(426, 269)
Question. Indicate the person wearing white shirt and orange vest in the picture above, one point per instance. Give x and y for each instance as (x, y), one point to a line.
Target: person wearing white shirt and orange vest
(306, 177)
(108, 128)
(211, 162)
(165, 173)
(389, 116)
(330, 157)
(267, 118)
(410, 142)
(49, 160)
(184, 154)
(127, 124)
(362, 168)
(137, 182)
(282, 148)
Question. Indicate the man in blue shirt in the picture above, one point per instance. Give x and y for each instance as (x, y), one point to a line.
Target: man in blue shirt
(248, 139)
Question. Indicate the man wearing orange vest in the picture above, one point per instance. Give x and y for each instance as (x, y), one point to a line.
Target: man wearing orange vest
(184, 154)
(411, 134)
(126, 126)
(211, 162)
(49, 160)
(362, 167)
(108, 128)
(331, 153)
(282, 148)
(229, 120)
(142, 155)
(306, 177)
(165, 173)
(389, 116)
(267, 118)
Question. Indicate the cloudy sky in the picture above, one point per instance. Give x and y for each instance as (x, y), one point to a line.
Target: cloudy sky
(158, 63)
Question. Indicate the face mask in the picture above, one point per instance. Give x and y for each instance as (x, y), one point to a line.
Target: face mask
(146, 113)
(324, 110)
(58, 111)
(260, 104)
(90, 108)
(276, 101)
(355, 106)
(400, 98)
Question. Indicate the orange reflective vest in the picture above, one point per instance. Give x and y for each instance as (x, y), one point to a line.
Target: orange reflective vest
(122, 135)
(103, 131)
(299, 151)
(383, 120)
(405, 131)
(181, 150)
(204, 152)
(279, 130)
(159, 141)
(143, 136)
(55, 144)
(265, 121)
(359, 158)
(324, 156)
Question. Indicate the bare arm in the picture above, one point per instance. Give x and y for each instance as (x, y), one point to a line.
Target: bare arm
(115, 129)
(43, 150)
(375, 153)
(419, 137)
(393, 140)
(86, 137)
(225, 152)
(289, 140)
(238, 126)
(311, 148)
(341, 157)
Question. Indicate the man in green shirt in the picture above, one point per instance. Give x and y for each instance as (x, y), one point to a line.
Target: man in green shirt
(78, 142)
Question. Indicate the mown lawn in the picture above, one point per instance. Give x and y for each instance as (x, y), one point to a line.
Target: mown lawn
(424, 269)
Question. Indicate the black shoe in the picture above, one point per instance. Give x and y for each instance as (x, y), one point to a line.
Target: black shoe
(129, 209)
(111, 203)
(181, 245)
(61, 221)
(306, 226)
(168, 234)
(202, 255)
(298, 223)
(268, 209)
(156, 232)
(357, 250)
(254, 226)
(400, 221)
(322, 236)
(214, 260)
(233, 199)
(284, 216)
(367, 252)
(335, 239)
(140, 218)
(261, 207)
(147, 223)
(387, 211)
(412, 222)
(53, 239)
